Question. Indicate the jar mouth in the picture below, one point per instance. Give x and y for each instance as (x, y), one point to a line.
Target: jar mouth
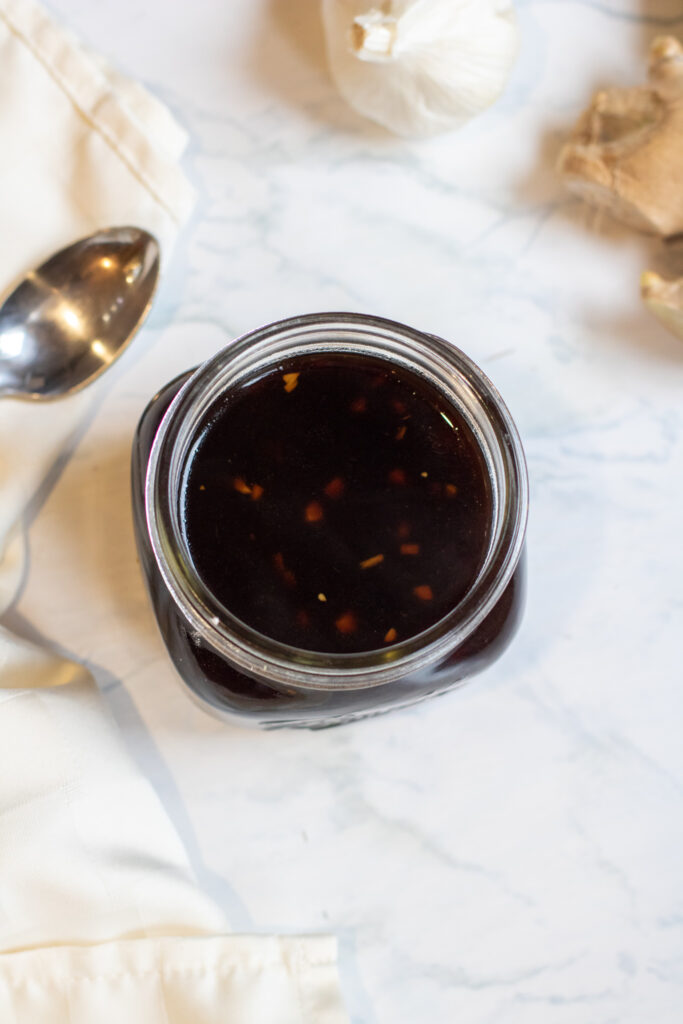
(442, 365)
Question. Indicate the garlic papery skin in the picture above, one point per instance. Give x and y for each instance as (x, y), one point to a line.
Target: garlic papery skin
(420, 67)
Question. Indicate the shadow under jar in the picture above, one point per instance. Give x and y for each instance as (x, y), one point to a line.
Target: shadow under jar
(330, 516)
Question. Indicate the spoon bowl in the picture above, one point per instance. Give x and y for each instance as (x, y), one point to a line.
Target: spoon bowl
(68, 321)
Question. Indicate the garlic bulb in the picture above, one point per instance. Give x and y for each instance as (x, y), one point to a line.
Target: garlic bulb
(420, 66)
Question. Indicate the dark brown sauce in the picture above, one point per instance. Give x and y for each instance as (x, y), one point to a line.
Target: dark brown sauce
(221, 685)
(337, 504)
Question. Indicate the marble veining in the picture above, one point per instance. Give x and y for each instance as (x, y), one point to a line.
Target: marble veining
(511, 853)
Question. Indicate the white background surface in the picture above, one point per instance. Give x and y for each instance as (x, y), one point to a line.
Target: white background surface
(512, 852)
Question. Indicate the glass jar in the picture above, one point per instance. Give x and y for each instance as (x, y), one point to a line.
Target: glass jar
(245, 676)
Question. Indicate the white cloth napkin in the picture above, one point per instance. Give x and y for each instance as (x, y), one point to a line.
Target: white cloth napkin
(100, 918)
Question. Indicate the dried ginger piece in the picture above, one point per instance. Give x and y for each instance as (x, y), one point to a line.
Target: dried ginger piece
(626, 152)
(664, 299)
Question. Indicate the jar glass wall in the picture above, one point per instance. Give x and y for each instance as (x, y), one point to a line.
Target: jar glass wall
(243, 674)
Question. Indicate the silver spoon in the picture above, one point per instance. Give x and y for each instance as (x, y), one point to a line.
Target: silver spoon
(69, 320)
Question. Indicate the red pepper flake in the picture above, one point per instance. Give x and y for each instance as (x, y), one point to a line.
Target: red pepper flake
(346, 623)
(291, 380)
(424, 592)
(302, 618)
(397, 476)
(403, 530)
(451, 490)
(314, 512)
(287, 575)
(359, 404)
(256, 492)
(401, 432)
(241, 485)
(390, 636)
(410, 549)
(369, 562)
(335, 488)
(399, 406)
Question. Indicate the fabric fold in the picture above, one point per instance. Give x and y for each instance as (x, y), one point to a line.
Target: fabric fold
(252, 979)
(148, 144)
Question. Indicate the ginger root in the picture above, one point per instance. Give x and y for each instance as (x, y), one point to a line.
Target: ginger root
(626, 152)
(664, 299)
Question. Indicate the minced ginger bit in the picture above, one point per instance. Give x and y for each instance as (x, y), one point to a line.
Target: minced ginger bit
(390, 636)
(241, 485)
(314, 512)
(410, 549)
(291, 380)
(359, 404)
(346, 623)
(397, 476)
(369, 562)
(424, 592)
(335, 488)
(424, 474)
(202, 487)
(451, 490)
(401, 432)
(321, 597)
(256, 492)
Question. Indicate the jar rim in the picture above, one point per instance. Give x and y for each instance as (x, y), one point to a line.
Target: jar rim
(461, 381)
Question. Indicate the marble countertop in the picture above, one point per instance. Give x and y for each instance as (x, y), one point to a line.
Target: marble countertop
(512, 852)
